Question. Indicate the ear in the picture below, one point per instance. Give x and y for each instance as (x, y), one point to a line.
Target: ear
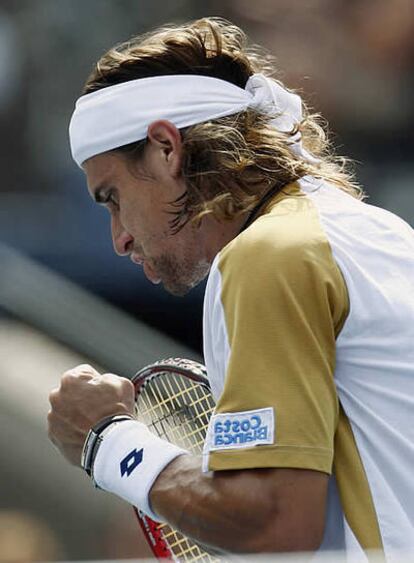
(166, 138)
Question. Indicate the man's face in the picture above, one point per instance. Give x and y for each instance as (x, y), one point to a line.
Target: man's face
(138, 201)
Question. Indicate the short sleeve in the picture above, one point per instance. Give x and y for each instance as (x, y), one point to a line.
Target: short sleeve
(279, 301)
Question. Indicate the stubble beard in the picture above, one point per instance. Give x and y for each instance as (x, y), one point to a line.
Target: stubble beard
(180, 276)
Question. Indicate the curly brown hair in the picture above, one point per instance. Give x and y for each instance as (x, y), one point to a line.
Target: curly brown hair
(228, 163)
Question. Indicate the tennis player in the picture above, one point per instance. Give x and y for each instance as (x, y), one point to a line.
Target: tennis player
(209, 166)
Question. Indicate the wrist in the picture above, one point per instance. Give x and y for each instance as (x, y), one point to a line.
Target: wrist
(129, 459)
(94, 439)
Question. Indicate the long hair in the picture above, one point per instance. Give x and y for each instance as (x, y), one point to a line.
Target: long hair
(228, 163)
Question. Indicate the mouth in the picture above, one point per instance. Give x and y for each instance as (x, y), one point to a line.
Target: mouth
(136, 259)
(148, 269)
(151, 274)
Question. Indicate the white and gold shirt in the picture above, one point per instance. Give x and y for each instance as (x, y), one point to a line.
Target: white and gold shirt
(309, 348)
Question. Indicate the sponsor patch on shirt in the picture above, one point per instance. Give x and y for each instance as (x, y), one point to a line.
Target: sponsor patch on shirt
(241, 429)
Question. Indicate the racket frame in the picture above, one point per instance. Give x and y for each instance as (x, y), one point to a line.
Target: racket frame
(196, 372)
(188, 368)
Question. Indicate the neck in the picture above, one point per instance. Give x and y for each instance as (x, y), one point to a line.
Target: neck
(220, 233)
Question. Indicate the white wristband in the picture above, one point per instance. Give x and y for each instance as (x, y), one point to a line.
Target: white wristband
(129, 460)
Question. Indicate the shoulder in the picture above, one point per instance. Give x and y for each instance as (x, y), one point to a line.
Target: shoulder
(289, 238)
(283, 262)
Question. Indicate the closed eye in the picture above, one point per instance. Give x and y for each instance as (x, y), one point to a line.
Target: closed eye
(110, 199)
(106, 196)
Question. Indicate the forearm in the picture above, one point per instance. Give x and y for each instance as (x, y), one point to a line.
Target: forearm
(240, 511)
(214, 508)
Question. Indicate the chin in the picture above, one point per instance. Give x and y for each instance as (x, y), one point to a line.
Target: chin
(179, 288)
(178, 292)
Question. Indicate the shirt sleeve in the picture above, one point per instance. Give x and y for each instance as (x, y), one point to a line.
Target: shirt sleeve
(280, 301)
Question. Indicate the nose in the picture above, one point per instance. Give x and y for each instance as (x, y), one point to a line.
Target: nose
(121, 239)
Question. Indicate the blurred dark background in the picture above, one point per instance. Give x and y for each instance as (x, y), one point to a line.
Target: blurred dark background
(351, 59)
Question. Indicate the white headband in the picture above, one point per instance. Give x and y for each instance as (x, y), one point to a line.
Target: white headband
(117, 115)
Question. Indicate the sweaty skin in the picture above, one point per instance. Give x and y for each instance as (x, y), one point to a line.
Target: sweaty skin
(255, 510)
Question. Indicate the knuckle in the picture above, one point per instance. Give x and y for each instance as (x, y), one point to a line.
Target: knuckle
(111, 380)
(127, 385)
(81, 369)
(86, 370)
(67, 379)
(123, 384)
(110, 377)
(84, 367)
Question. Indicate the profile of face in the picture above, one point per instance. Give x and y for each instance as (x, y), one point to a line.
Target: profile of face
(138, 197)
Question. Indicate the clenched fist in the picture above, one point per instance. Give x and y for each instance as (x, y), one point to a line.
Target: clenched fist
(83, 398)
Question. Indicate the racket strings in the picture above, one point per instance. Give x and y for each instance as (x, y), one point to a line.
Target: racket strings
(183, 547)
(177, 409)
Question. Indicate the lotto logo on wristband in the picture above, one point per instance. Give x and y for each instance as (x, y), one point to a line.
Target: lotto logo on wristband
(241, 430)
(131, 462)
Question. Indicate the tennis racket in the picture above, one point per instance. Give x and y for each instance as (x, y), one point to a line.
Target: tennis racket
(173, 399)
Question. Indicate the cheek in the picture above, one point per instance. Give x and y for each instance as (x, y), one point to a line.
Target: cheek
(132, 220)
(150, 227)
(184, 246)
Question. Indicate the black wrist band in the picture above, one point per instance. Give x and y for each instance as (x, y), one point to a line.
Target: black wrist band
(93, 440)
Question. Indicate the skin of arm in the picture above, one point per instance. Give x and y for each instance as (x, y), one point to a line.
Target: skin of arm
(250, 511)
(246, 511)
